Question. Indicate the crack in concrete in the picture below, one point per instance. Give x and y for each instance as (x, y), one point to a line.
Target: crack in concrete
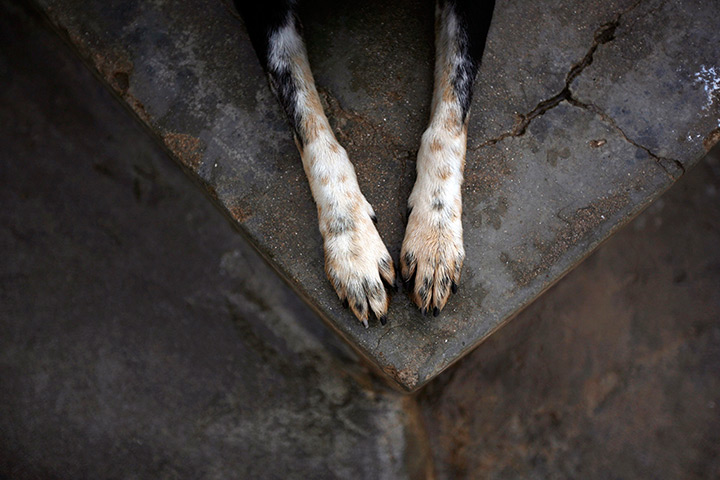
(377, 345)
(673, 168)
(605, 33)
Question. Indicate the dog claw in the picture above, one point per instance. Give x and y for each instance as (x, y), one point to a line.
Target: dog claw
(454, 287)
(393, 287)
(365, 322)
(409, 283)
(383, 319)
(436, 312)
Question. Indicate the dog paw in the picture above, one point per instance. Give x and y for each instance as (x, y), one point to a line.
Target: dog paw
(431, 258)
(357, 262)
(432, 252)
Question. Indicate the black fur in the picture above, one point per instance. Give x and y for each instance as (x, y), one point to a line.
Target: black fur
(263, 18)
(474, 17)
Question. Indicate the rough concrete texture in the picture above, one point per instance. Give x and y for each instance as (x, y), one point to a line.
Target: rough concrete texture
(141, 338)
(140, 335)
(614, 373)
(583, 115)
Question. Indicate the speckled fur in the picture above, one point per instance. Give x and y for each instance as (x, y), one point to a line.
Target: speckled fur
(356, 259)
(432, 252)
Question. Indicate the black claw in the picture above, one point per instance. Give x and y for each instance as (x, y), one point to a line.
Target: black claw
(391, 286)
(346, 304)
(454, 287)
(394, 285)
(374, 218)
(423, 311)
(383, 319)
(436, 312)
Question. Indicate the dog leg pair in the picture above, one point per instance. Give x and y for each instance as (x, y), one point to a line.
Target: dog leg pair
(357, 262)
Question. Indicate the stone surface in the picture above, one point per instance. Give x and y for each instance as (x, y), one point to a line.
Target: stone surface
(613, 373)
(140, 336)
(582, 116)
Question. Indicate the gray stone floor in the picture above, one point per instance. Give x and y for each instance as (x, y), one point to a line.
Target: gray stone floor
(140, 336)
(613, 373)
(580, 122)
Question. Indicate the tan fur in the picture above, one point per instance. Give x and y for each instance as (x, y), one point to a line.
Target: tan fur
(448, 94)
(444, 173)
(435, 145)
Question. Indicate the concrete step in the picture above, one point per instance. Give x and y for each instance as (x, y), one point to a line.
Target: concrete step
(140, 336)
(581, 118)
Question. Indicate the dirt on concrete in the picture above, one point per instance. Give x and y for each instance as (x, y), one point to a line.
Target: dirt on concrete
(141, 337)
(613, 373)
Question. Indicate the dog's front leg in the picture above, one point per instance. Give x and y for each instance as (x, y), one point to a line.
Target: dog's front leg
(432, 252)
(356, 259)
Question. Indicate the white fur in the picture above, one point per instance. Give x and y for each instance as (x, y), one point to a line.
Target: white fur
(433, 246)
(284, 44)
(355, 256)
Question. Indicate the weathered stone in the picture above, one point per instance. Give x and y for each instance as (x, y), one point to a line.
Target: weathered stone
(662, 65)
(558, 159)
(613, 373)
(140, 336)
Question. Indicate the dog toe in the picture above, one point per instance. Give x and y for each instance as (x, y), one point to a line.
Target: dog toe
(359, 266)
(431, 259)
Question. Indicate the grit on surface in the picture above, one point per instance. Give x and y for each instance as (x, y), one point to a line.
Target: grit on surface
(140, 336)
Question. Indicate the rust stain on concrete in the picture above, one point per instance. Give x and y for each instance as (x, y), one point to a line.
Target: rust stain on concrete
(112, 63)
(712, 138)
(186, 147)
(138, 108)
(406, 376)
(115, 67)
(240, 212)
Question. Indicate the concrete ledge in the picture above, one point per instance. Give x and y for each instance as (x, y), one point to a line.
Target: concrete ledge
(582, 116)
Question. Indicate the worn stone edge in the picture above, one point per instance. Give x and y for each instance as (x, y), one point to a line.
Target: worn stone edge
(394, 381)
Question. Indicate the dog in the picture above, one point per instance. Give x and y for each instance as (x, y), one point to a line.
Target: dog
(357, 263)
